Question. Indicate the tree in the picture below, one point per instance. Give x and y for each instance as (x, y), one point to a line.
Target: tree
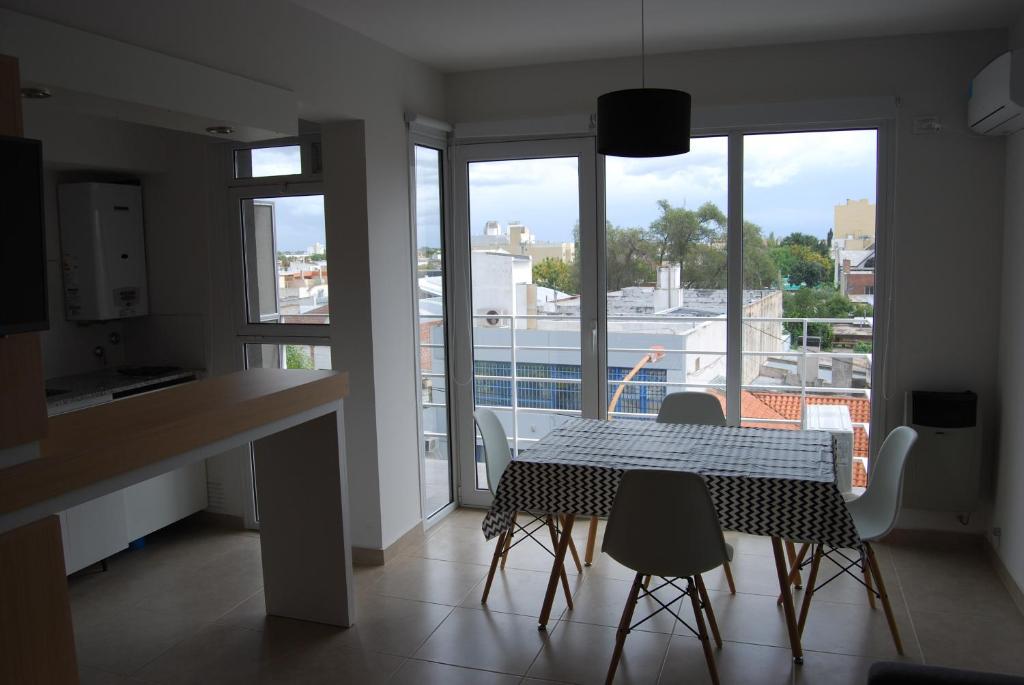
(297, 358)
(631, 257)
(802, 264)
(824, 302)
(809, 241)
(556, 274)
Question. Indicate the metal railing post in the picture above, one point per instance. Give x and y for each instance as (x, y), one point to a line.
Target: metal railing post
(515, 389)
(803, 379)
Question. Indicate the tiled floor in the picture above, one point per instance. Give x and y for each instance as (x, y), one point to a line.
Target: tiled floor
(188, 608)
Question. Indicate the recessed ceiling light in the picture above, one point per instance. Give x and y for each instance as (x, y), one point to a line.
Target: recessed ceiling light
(220, 130)
(33, 93)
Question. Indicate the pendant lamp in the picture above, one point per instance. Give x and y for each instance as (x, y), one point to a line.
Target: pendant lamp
(643, 122)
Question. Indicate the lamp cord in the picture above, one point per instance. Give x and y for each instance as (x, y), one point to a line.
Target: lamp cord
(643, 48)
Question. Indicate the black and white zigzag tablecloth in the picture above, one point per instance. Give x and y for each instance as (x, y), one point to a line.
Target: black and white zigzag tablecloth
(762, 481)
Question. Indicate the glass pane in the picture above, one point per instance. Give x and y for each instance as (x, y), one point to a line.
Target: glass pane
(285, 259)
(283, 160)
(524, 217)
(433, 377)
(809, 238)
(666, 284)
(290, 356)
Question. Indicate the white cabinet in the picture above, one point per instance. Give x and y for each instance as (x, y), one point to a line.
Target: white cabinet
(157, 502)
(102, 527)
(93, 531)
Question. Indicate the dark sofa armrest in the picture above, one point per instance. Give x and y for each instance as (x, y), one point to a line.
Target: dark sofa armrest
(898, 673)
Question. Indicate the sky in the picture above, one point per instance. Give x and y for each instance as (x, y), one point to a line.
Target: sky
(791, 183)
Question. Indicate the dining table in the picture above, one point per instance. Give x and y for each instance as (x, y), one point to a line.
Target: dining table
(763, 481)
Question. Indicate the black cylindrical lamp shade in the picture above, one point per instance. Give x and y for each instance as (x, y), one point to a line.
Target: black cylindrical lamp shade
(643, 122)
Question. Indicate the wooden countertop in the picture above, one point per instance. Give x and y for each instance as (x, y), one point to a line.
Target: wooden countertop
(92, 445)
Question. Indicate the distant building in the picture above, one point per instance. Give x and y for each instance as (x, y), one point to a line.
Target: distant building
(519, 240)
(855, 274)
(854, 225)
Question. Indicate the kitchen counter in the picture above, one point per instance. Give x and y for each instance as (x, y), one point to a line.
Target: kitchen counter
(68, 393)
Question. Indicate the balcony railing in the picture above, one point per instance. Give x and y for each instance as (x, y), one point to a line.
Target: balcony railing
(509, 359)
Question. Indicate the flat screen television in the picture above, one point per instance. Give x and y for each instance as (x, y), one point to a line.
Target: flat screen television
(23, 303)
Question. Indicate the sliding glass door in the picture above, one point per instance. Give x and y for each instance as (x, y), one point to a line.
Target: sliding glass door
(525, 215)
(666, 262)
(591, 286)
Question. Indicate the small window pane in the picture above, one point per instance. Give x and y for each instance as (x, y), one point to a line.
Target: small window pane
(268, 161)
(287, 356)
(285, 260)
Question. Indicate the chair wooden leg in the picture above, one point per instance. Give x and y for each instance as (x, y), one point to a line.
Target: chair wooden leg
(795, 568)
(588, 556)
(727, 567)
(647, 582)
(498, 548)
(795, 573)
(624, 622)
(557, 571)
(712, 622)
(574, 552)
(508, 541)
(866, 567)
(884, 596)
(562, 574)
(809, 588)
(781, 573)
(702, 632)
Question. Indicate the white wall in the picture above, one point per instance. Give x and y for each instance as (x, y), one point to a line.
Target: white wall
(948, 187)
(1009, 504)
(169, 165)
(335, 74)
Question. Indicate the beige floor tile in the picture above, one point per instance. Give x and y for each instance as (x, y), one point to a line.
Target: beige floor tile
(753, 573)
(93, 676)
(227, 654)
(428, 580)
(463, 517)
(250, 613)
(607, 567)
(515, 591)
(328, 663)
(750, 544)
(580, 653)
(743, 617)
(492, 641)
(972, 642)
(392, 625)
(737, 663)
(126, 640)
(212, 590)
(415, 672)
(857, 630)
(455, 543)
(600, 601)
(964, 586)
(822, 668)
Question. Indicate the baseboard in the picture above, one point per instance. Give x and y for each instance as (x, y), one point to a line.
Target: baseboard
(1004, 575)
(949, 538)
(365, 556)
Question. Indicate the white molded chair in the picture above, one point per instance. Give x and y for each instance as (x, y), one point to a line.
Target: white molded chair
(874, 514)
(697, 408)
(691, 407)
(664, 524)
(497, 457)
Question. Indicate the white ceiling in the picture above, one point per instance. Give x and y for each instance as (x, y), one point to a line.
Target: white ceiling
(463, 35)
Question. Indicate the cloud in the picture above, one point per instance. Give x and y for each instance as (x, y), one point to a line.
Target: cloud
(276, 161)
(771, 160)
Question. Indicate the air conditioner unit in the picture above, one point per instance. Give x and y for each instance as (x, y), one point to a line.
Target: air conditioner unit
(996, 98)
(491, 317)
